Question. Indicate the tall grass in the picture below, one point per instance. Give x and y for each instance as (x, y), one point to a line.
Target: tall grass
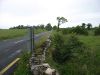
(85, 64)
(23, 67)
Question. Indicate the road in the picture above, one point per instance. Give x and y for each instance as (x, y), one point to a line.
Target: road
(12, 48)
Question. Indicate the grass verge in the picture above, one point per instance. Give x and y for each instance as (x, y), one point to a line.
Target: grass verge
(23, 67)
(88, 65)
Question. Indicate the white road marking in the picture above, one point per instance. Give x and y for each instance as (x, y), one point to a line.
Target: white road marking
(18, 41)
(36, 35)
(4, 40)
(15, 53)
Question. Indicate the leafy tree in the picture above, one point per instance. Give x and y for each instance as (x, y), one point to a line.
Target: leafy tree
(89, 26)
(48, 27)
(83, 25)
(42, 26)
(54, 27)
(61, 20)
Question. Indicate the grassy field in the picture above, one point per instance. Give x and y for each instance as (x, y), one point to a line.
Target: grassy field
(89, 65)
(8, 34)
(13, 33)
(91, 41)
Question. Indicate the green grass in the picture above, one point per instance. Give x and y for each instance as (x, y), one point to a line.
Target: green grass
(14, 33)
(41, 41)
(92, 41)
(89, 65)
(23, 67)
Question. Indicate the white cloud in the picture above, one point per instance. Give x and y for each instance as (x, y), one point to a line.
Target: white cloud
(33, 12)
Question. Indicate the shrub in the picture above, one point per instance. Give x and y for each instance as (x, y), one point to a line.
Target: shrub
(64, 50)
(58, 45)
(79, 30)
(97, 31)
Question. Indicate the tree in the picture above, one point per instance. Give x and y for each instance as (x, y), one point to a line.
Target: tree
(61, 20)
(54, 27)
(48, 27)
(89, 26)
(83, 25)
(19, 27)
(42, 26)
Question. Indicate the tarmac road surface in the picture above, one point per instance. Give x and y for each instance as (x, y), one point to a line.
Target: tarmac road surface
(11, 49)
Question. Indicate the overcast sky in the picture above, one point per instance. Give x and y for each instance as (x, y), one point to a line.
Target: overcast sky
(34, 12)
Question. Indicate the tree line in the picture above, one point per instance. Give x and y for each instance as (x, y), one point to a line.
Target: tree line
(40, 26)
(83, 29)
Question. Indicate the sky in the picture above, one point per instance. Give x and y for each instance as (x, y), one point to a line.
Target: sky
(34, 12)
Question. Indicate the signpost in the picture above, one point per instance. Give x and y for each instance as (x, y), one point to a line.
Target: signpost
(31, 36)
(33, 39)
